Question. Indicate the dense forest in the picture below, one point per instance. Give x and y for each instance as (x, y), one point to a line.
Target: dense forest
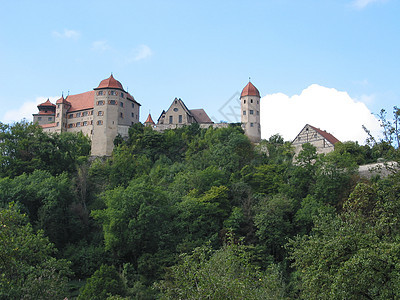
(196, 213)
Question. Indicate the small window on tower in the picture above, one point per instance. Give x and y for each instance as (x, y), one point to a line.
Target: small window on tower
(99, 122)
(100, 113)
(58, 114)
(121, 115)
(244, 101)
(258, 102)
(133, 105)
(244, 113)
(251, 100)
(251, 112)
(251, 124)
(121, 104)
(258, 113)
(133, 115)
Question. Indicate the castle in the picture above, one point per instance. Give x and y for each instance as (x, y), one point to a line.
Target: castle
(108, 110)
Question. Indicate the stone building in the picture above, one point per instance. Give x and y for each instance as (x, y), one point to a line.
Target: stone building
(322, 140)
(250, 112)
(108, 110)
(101, 114)
(179, 114)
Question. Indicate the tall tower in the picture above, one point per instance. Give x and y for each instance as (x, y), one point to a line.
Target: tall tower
(114, 111)
(61, 114)
(250, 112)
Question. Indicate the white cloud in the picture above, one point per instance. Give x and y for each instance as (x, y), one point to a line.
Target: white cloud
(322, 107)
(100, 46)
(360, 4)
(26, 110)
(67, 34)
(140, 53)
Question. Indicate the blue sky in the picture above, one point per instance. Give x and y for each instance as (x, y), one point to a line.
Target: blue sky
(200, 51)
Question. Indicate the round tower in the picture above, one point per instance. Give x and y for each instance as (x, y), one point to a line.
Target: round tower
(250, 112)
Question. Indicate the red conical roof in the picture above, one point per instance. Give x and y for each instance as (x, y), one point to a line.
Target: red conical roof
(250, 90)
(110, 82)
(149, 120)
(47, 103)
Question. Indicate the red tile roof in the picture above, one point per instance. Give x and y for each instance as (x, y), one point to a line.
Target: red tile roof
(250, 90)
(47, 103)
(62, 101)
(110, 82)
(329, 137)
(81, 101)
(149, 120)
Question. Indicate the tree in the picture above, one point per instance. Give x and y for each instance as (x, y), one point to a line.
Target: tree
(104, 283)
(223, 274)
(28, 269)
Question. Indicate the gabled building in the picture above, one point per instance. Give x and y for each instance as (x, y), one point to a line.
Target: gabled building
(322, 140)
(179, 114)
(101, 114)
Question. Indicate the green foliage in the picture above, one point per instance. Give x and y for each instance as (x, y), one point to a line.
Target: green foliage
(25, 147)
(354, 255)
(28, 270)
(223, 274)
(104, 283)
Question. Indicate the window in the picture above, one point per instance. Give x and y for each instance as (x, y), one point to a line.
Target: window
(84, 114)
(78, 114)
(112, 102)
(251, 112)
(112, 93)
(100, 93)
(251, 124)
(58, 123)
(70, 116)
(180, 118)
(78, 124)
(100, 113)
(133, 105)
(244, 101)
(244, 113)
(122, 95)
(58, 105)
(101, 102)
(69, 125)
(170, 119)
(58, 114)
(258, 102)
(39, 118)
(133, 115)
(50, 118)
(258, 113)
(85, 123)
(251, 100)
(100, 122)
(121, 115)
(175, 109)
(91, 122)
(121, 104)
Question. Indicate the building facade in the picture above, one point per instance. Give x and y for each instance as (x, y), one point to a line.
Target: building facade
(101, 114)
(322, 140)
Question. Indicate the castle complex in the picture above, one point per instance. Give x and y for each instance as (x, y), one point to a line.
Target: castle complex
(109, 110)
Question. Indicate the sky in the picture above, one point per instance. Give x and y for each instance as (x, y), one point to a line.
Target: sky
(332, 64)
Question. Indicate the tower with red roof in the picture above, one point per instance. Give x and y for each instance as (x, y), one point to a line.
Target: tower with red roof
(250, 112)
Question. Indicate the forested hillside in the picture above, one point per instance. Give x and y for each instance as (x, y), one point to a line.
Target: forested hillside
(194, 213)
